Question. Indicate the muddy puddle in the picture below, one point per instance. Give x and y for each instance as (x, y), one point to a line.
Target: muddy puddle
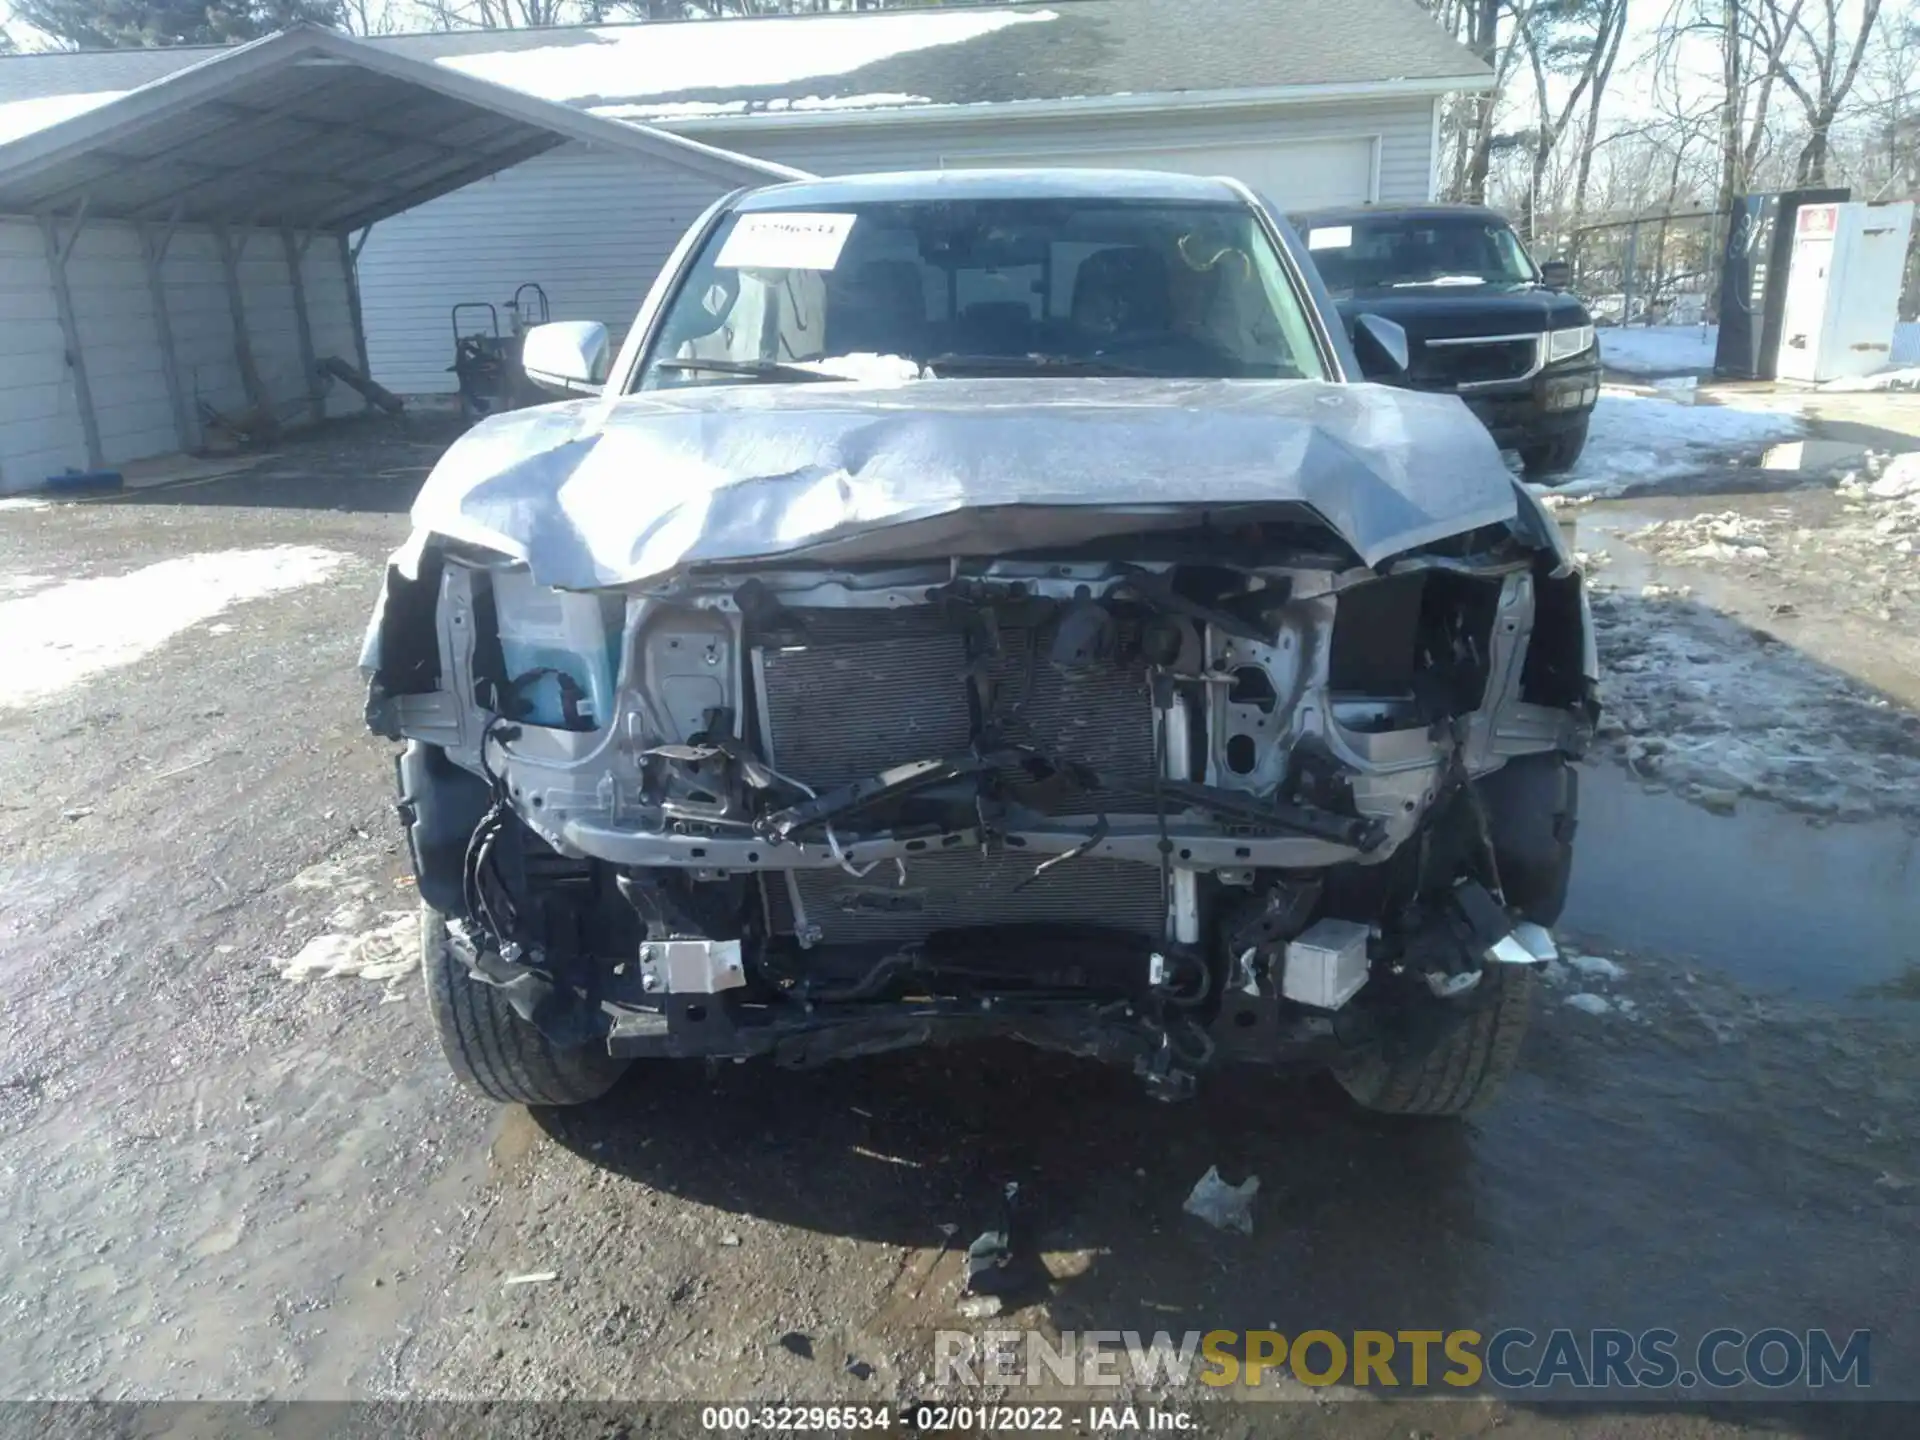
(1826, 912)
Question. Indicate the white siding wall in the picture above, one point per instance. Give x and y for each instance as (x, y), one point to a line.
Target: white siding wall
(39, 417)
(593, 228)
(1403, 128)
(40, 428)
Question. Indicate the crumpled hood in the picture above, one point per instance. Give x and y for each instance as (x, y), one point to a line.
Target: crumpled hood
(596, 493)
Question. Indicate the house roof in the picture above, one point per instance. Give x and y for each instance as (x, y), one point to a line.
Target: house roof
(306, 130)
(916, 59)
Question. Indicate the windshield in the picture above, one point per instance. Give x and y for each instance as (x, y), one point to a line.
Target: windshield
(1404, 252)
(897, 290)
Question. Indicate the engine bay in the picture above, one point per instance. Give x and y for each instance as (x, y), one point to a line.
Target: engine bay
(1171, 799)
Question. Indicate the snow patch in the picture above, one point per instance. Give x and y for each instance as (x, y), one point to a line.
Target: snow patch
(1899, 479)
(1636, 441)
(1903, 379)
(386, 952)
(631, 62)
(24, 502)
(1659, 349)
(60, 636)
(23, 117)
(1595, 967)
(1590, 1003)
(1650, 350)
(865, 368)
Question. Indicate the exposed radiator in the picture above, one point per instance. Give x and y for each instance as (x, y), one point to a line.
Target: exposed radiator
(879, 688)
(876, 688)
(957, 889)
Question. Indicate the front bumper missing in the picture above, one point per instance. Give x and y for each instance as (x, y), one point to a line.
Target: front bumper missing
(1132, 840)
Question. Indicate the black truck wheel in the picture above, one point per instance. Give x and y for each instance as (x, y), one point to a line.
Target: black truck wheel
(490, 1048)
(1456, 1065)
(1555, 456)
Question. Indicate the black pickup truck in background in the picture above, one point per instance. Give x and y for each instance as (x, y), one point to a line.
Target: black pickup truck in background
(1482, 320)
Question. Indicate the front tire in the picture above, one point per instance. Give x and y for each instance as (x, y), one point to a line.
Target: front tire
(490, 1049)
(1555, 456)
(1457, 1068)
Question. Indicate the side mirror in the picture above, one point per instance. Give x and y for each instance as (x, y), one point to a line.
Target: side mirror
(1556, 275)
(569, 356)
(1380, 345)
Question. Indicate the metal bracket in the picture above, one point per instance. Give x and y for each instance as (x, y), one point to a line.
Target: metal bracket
(691, 967)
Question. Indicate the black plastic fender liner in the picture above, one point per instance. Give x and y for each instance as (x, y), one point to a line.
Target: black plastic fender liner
(440, 804)
(1533, 808)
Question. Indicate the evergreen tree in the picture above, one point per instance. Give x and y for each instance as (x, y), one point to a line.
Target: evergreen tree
(135, 24)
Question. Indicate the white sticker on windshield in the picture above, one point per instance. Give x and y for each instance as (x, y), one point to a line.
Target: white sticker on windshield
(795, 241)
(1327, 237)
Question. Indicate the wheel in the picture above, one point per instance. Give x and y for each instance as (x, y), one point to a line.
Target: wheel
(1459, 1064)
(490, 1048)
(1558, 455)
(1533, 808)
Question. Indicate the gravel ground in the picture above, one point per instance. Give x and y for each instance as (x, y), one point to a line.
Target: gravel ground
(236, 1169)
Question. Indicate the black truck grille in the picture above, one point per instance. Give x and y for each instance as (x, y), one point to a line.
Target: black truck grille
(1444, 364)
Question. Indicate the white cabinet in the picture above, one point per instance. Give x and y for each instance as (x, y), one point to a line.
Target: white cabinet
(1843, 290)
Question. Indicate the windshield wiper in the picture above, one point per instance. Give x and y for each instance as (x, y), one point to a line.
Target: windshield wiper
(750, 369)
(1039, 364)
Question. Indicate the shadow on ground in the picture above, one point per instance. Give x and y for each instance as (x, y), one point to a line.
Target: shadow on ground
(370, 465)
(892, 1148)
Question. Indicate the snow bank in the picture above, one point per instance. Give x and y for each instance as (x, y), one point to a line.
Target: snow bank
(1899, 379)
(1638, 441)
(1688, 350)
(1659, 349)
(56, 637)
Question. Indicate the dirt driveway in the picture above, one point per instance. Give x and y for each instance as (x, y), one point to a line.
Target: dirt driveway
(234, 1166)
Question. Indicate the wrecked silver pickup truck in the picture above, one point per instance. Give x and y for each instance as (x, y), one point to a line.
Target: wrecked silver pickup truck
(984, 604)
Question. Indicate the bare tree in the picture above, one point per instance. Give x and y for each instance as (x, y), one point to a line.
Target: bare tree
(1887, 110)
(1488, 28)
(1576, 39)
(1822, 71)
(1750, 38)
(370, 17)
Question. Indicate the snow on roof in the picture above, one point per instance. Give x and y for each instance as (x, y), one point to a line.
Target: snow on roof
(702, 109)
(633, 62)
(1028, 52)
(23, 117)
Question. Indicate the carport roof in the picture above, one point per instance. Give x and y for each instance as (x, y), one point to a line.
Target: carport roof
(312, 131)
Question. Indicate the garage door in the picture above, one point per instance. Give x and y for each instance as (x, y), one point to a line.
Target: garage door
(1295, 175)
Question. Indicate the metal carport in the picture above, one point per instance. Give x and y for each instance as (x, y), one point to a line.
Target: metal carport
(263, 161)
